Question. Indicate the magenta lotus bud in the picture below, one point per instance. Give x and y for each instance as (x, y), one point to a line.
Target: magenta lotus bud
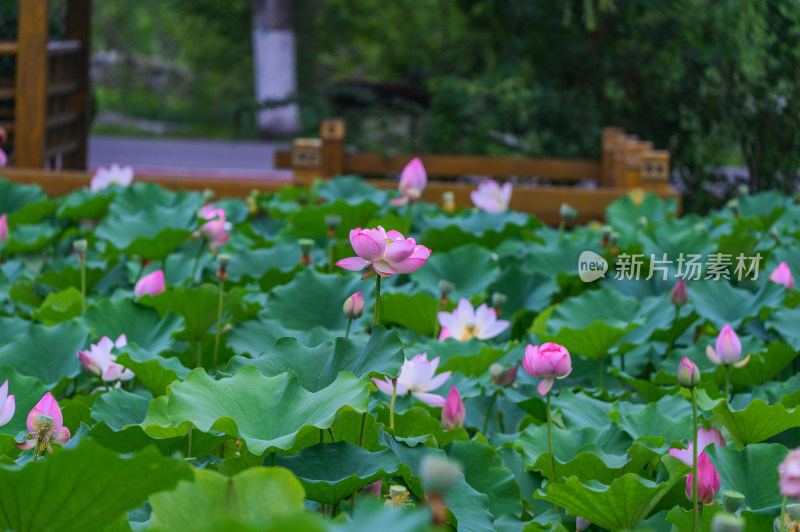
(7, 404)
(151, 284)
(782, 275)
(374, 489)
(728, 349)
(679, 295)
(354, 306)
(582, 524)
(688, 373)
(708, 481)
(3, 228)
(789, 471)
(549, 361)
(413, 181)
(453, 412)
(505, 378)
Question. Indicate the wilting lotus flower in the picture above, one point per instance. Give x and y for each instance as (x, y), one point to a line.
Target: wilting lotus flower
(384, 252)
(708, 481)
(491, 197)
(7, 405)
(790, 475)
(151, 284)
(354, 306)
(45, 426)
(3, 228)
(728, 349)
(704, 439)
(549, 361)
(783, 275)
(417, 377)
(413, 180)
(453, 411)
(215, 230)
(688, 373)
(466, 322)
(114, 175)
(100, 362)
(679, 295)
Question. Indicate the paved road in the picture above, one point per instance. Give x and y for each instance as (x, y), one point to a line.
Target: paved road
(211, 158)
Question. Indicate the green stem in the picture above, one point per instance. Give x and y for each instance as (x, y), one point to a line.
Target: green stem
(727, 380)
(377, 300)
(391, 406)
(198, 358)
(700, 519)
(196, 261)
(600, 373)
(347, 331)
(325, 510)
(322, 435)
(189, 443)
(333, 438)
(695, 509)
(489, 413)
(622, 362)
(363, 429)
(550, 444)
(672, 331)
(408, 212)
(335, 510)
(783, 514)
(331, 249)
(272, 460)
(83, 281)
(219, 323)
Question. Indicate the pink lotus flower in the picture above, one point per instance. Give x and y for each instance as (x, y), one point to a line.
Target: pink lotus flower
(3, 228)
(114, 175)
(151, 284)
(3, 158)
(100, 362)
(688, 373)
(417, 377)
(453, 411)
(783, 275)
(384, 252)
(45, 426)
(466, 322)
(790, 475)
(354, 306)
(413, 180)
(704, 439)
(7, 405)
(728, 349)
(679, 295)
(215, 230)
(491, 197)
(550, 361)
(708, 481)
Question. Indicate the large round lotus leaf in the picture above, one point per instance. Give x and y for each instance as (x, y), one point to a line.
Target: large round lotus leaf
(140, 325)
(372, 514)
(351, 189)
(416, 312)
(59, 306)
(720, 303)
(255, 336)
(14, 196)
(593, 305)
(752, 471)
(12, 326)
(623, 215)
(755, 423)
(85, 204)
(27, 238)
(256, 264)
(667, 418)
(317, 367)
(27, 391)
(253, 497)
(484, 470)
(310, 221)
(154, 371)
(523, 290)
(73, 489)
(48, 353)
(331, 472)
(471, 269)
(198, 307)
(442, 232)
(265, 412)
(69, 273)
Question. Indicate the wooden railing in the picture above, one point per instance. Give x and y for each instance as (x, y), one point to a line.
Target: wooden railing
(48, 122)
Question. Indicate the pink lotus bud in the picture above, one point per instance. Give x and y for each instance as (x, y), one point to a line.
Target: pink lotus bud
(728, 349)
(789, 474)
(781, 275)
(679, 295)
(453, 411)
(7, 405)
(550, 361)
(708, 481)
(582, 524)
(3, 228)
(688, 373)
(413, 180)
(374, 489)
(506, 378)
(45, 426)
(354, 306)
(151, 284)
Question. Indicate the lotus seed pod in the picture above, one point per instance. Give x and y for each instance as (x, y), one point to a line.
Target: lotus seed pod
(498, 299)
(495, 370)
(208, 195)
(446, 287)
(305, 245)
(439, 475)
(793, 510)
(80, 245)
(567, 211)
(732, 500)
(224, 259)
(727, 523)
(743, 190)
(332, 220)
(642, 222)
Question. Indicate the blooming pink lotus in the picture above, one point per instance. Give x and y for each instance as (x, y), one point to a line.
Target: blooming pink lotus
(782, 275)
(45, 426)
(7, 405)
(453, 411)
(708, 481)
(466, 322)
(3, 228)
(151, 284)
(417, 377)
(704, 439)
(413, 181)
(113, 175)
(215, 230)
(100, 362)
(491, 197)
(790, 475)
(549, 361)
(384, 252)
(728, 349)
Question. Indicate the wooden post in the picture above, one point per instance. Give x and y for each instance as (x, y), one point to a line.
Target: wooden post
(618, 158)
(79, 27)
(306, 160)
(30, 103)
(332, 132)
(610, 135)
(633, 162)
(655, 169)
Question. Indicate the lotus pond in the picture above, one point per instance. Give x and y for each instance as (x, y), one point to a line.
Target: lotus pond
(184, 362)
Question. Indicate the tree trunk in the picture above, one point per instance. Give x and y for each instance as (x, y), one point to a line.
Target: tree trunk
(275, 65)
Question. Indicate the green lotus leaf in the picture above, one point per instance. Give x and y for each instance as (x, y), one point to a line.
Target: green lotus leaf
(27, 238)
(682, 518)
(758, 421)
(139, 324)
(154, 371)
(197, 306)
(524, 290)
(485, 472)
(418, 422)
(721, 303)
(269, 267)
(737, 471)
(445, 232)
(416, 312)
(265, 412)
(318, 367)
(351, 189)
(310, 221)
(15, 197)
(371, 515)
(69, 274)
(85, 204)
(784, 322)
(623, 215)
(59, 306)
(72, 490)
(470, 268)
(594, 341)
(666, 418)
(255, 336)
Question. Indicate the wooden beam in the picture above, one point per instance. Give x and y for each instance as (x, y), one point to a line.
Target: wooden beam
(30, 107)
(79, 21)
(8, 47)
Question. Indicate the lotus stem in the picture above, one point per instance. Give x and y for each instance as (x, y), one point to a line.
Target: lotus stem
(219, 322)
(783, 514)
(672, 330)
(377, 300)
(550, 444)
(196, 262)
(331, 251)
(272, 459)
(695, 509)
(198, 360)
(600, 373)
(391, 406)
(727, 380)
(489, 412)
(347, 331)
(189, 443)
(363, 429)
(322, 435)
(82, 260)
